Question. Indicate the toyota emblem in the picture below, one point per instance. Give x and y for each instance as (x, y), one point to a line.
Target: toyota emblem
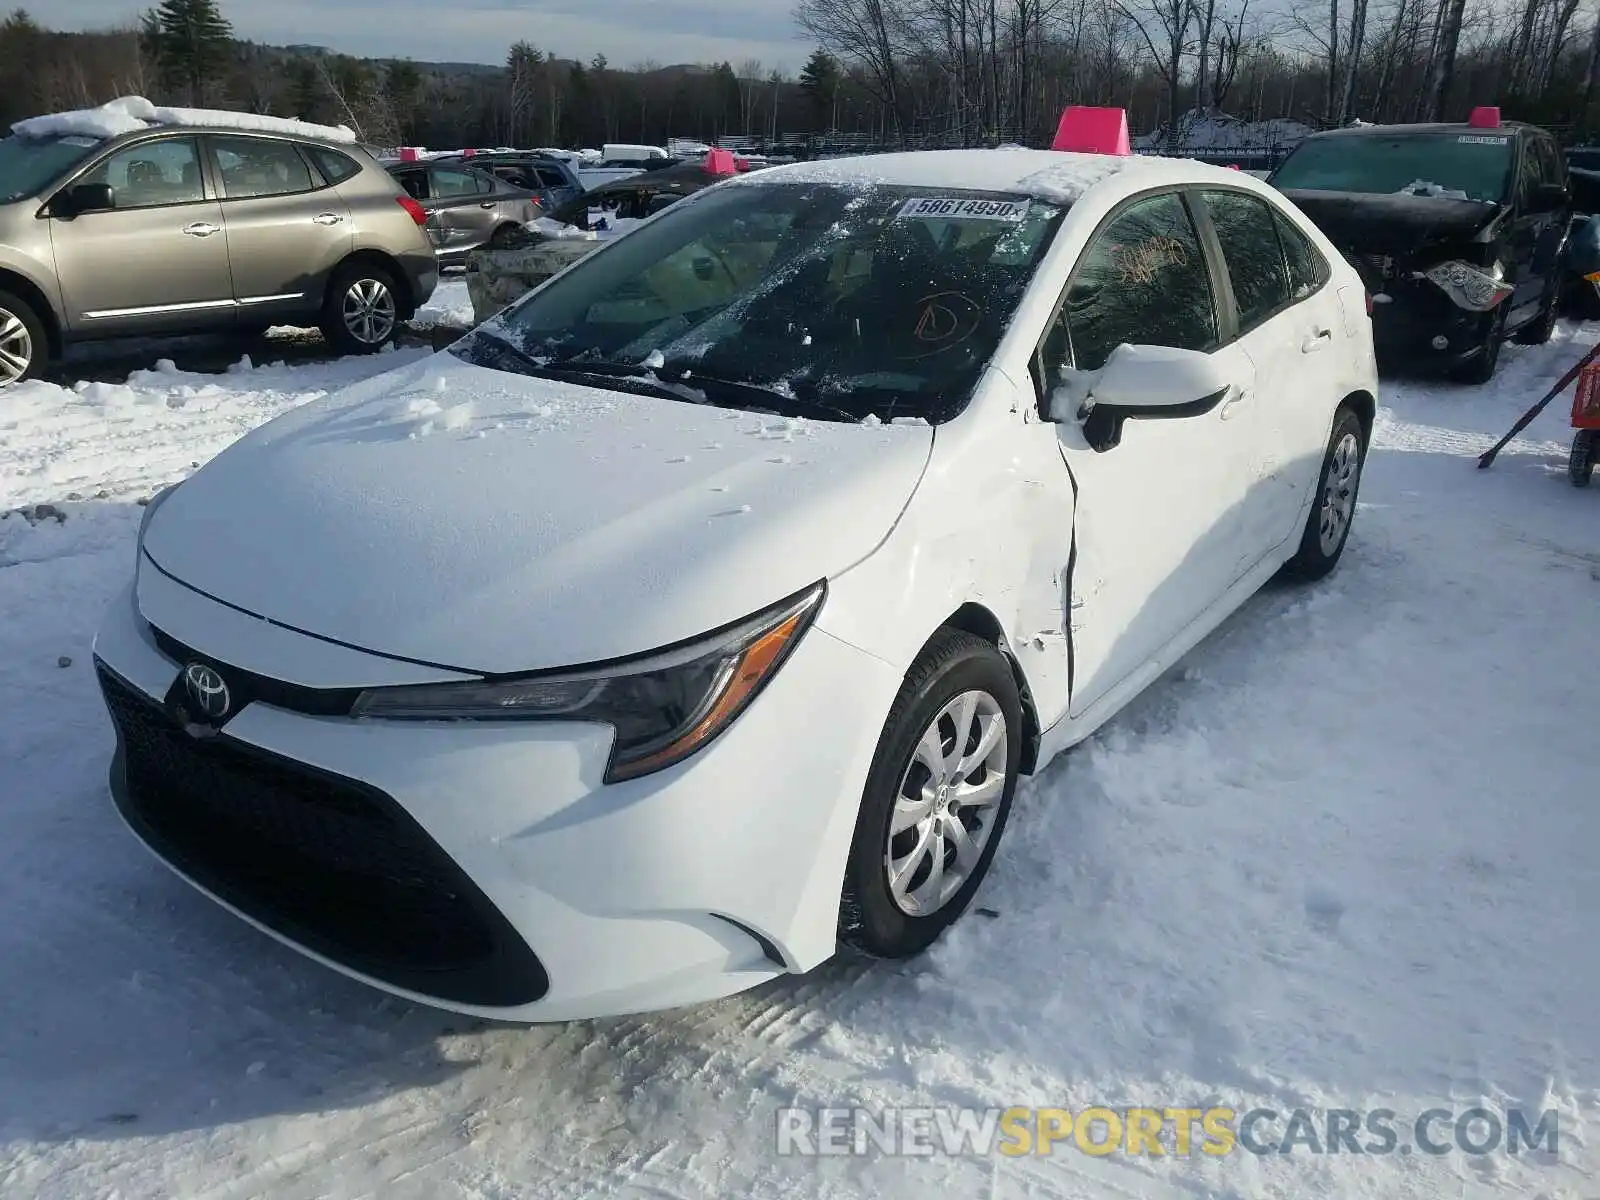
(208, 690)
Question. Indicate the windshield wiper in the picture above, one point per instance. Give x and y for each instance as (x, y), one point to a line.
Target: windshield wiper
(627, 377)
(782, 402)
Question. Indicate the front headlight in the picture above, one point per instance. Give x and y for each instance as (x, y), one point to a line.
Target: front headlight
(663, 706)
(1470, 287)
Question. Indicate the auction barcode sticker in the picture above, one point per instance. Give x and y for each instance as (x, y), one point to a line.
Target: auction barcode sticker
(1477, 139)
(969, 210)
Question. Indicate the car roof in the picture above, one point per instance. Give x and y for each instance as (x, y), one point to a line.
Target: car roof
(1048, 174)
(1434, 127)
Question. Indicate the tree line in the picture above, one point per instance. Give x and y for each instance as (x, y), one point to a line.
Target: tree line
(906, 72)
(977, 71)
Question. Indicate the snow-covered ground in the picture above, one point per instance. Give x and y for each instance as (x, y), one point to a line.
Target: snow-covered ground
(449, 305)
(1345, 858)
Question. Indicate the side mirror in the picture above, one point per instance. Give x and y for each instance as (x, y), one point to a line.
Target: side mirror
(1139, 383)
(1548, 197)
(84, 198)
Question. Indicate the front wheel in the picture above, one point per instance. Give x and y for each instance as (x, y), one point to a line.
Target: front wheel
(936, 799)
(1333, 510)
(1480, 368)
(361, 314)
(24, 346)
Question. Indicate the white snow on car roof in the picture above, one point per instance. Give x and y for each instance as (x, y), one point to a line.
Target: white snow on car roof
(130, 114)
(1048, 174)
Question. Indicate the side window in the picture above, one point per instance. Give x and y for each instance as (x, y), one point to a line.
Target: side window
(335, 167)
(449, 183)
(551, 179)
(254, 167)
(1250, 246)
(1532, 170)
(414, 182)
(1143, 280)
(1555, 170)
(1308, 270)
(151, 174)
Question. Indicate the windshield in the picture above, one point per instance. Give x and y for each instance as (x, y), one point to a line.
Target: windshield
(1462, 166)
(28, 164)
(838, 301)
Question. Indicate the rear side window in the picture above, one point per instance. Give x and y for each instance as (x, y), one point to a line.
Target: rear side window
(1249, 239)
(414, 182)
(551, 179)
(1533, 170)
(448, 182)
(1143, 280)
(1308, 270)
(255, 167)
(335, 167)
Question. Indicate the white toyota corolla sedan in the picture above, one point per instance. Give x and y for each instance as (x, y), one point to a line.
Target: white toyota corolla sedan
(699, 614)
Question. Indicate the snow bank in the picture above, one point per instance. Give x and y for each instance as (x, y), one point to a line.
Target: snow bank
(1218, 131)
(129, 114)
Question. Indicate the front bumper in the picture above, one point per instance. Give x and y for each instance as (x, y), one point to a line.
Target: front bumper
(483, 867)
(1404, 329)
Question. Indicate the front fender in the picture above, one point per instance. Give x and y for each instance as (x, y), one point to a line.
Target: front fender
(990, 524)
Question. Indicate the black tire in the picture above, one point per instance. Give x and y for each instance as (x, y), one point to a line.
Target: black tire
(1318, 555)
(1537, 332)
(23, 341)
(343, 306)
(953, 664)
(1480, 368)
(1580, 464)
(502, 236)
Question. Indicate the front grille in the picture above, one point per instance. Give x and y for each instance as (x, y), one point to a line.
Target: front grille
(328, 862)
(247, 685)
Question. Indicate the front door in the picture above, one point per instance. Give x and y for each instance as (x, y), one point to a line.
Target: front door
(284, 238)
(157, 261)
(1156, 529)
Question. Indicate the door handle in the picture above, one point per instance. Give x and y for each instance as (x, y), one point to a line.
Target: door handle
(202, 229)
(1230, 407)
(1320, 340)
(487, 204)
(327, 218)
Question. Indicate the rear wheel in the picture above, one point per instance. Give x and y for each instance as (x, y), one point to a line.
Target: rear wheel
(936, 799)
(361, 313)
(501, 238)
(1580, 465)
(1334, 509)
(24, 346)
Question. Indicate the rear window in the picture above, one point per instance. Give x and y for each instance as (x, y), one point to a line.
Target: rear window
(335, 167)
(1465, 164)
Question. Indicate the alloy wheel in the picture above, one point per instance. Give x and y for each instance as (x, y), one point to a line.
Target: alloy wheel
(945, 808)
(16, 347)
(1339, 493)
(369, 311)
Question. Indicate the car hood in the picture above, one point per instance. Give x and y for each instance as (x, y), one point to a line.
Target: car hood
(488, 522)
(1360, 223)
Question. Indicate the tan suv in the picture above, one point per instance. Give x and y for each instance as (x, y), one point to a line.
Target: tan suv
(178, 229)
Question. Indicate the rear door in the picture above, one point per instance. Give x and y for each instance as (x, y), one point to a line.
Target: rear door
(466, 206)
(1285, 323)
(287, 229)
(157, 261)
(558, 187)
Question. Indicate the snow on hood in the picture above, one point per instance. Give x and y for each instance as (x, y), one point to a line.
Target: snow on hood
(1422, 187)
(492, 522)
(130, 114)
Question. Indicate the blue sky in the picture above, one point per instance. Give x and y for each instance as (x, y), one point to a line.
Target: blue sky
(625, 31)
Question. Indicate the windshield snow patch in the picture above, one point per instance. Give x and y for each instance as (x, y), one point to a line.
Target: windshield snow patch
(1421, 187)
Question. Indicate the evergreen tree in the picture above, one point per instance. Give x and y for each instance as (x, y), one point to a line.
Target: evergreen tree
(193, 45)
(819, 81)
